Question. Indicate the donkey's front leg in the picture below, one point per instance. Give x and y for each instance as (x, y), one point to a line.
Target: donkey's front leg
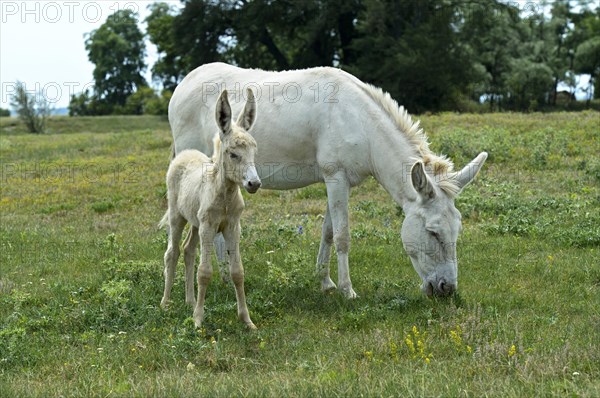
(190, 247)
(232, 241)
(204, 270)
(338, 191)
(325, 253)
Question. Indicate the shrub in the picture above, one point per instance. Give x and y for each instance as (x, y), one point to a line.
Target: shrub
(33, 109)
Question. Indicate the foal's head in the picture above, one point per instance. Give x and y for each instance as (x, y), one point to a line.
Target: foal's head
(237, 146)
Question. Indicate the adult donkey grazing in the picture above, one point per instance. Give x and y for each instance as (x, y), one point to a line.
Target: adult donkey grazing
(325, 125)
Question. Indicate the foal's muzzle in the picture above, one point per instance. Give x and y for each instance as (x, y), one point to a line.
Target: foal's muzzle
(252, 185)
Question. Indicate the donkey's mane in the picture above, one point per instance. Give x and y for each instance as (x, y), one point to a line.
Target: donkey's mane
(439, 166)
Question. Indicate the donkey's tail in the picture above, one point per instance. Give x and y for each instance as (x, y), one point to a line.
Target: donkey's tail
(164, 221)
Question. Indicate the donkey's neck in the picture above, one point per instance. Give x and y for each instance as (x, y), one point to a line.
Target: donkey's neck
(392, 157)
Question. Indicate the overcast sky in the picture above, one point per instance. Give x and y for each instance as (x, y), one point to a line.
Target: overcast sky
(42, 44)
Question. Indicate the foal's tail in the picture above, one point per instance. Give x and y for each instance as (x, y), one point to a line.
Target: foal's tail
(164, 221)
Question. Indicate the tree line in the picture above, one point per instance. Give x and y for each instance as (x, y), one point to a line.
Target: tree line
(430, 55)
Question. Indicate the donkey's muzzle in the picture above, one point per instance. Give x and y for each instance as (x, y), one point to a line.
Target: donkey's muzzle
(439, 288)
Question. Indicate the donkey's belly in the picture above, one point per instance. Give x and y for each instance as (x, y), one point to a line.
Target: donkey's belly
(288, 175)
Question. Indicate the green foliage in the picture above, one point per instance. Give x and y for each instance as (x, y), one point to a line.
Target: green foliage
(117, 50)
(409, 40)
(169, 68)
(33, 109)
(103, 206)
(4, 112)
(80, 289)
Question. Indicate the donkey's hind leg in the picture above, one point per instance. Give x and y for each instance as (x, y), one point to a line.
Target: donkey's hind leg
(190, 248)
(221, 251)
(176, 225)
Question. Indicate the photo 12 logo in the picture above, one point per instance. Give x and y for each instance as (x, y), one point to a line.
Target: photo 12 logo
(61, 11)
(290, 92)
(50, 92)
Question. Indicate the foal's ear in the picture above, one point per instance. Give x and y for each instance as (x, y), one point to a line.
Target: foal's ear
(420, 181)
(223, 113)
(248, 115)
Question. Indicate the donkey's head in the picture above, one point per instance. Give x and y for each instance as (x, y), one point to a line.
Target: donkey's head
(432, 225)
(237, 146)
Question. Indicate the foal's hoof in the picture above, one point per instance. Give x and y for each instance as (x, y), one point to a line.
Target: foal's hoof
(327, 286)
(251, 326)
(191, 303)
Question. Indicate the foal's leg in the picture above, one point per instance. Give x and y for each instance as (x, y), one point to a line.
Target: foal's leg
(232, 240)
(189, 249)
(176, 224)
(207, 235)
(325, 253)
(221, 251)
(338, 191)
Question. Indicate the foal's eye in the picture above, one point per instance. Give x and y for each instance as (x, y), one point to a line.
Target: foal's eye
(233, 156)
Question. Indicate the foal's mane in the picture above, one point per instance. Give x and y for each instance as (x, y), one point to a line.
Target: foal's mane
(440, 167)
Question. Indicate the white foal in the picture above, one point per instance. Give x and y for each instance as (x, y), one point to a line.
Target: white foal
(205, 193)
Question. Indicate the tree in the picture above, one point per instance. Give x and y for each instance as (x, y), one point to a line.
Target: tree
(137, 103)
(169, 68)
(32, 109)
(294, 34)
(491, 32)
(4, 112)
(587, 53)
(117, 49)
(412, 50)
(268, 34)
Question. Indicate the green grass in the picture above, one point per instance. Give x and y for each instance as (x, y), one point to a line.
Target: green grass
(81, 274)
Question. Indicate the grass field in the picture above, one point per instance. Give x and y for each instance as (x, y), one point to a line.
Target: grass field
(81, 274)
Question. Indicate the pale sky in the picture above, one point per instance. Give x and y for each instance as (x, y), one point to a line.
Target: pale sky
(42, 44)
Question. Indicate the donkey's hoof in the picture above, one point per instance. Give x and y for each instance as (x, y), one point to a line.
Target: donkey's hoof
(349, 293)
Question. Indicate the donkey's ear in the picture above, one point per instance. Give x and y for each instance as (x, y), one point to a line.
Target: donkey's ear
(468, 173)
(223, 113)
(246, 118)
(421, 182)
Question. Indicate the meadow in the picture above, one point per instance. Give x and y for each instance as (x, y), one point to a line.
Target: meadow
(81, 274)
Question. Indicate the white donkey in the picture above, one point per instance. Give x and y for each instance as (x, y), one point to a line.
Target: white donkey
(325, 125)
(205, 193)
